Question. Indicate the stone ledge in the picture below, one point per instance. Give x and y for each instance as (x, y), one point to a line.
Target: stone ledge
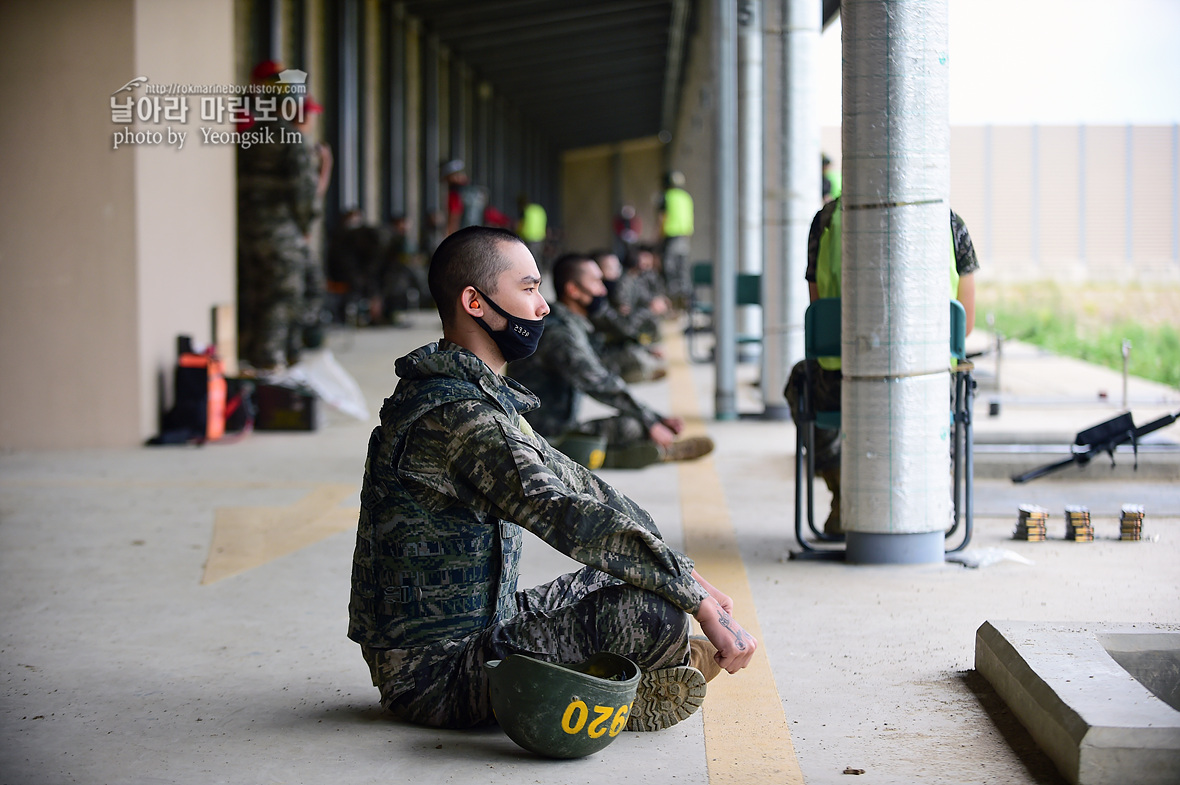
(1091, 717)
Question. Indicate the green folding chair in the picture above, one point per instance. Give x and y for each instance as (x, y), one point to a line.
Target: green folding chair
(749, 292)
(821, 338)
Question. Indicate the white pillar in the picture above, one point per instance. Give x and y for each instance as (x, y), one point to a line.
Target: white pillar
(785, 295)
(750, 108)
(725, 260)
(895, 502)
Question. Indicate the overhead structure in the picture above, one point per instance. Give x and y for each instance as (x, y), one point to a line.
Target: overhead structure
(582, 72)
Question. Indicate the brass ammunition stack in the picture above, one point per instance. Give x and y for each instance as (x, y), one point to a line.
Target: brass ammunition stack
(1131, 522)
(1077, 524)
(1031, 525)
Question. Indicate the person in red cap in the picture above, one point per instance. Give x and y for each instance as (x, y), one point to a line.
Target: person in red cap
(281, 183)
(315, 280)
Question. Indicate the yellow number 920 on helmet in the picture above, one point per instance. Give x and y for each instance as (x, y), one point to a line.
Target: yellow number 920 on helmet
(562, 710)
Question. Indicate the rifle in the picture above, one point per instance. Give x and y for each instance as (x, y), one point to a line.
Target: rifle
(1102, 438)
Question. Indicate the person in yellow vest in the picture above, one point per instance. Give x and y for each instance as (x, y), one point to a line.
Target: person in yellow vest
(532, 226)
(823, 280)
(830, 181)
(676, 233)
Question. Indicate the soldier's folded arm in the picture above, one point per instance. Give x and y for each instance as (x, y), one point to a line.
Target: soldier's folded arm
(587, 373)
(492, 460)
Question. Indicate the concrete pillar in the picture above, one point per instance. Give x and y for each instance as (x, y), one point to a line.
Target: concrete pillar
(750, 193)
(431, 152)
(895, 503)
(725, 259)
(396, 80)
(785, 295)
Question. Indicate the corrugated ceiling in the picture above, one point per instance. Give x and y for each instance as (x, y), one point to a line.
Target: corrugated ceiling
(585, 72)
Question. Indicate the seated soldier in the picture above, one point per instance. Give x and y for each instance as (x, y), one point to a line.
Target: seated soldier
(639, 294)
(624, 350)
(823, 280)
(454, 472)
(566, 367)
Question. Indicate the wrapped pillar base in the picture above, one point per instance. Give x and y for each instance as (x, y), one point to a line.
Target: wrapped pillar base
(870, 548)
(895, 466)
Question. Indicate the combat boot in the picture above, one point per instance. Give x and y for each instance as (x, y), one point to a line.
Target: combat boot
(832, 480)
(665, 697)
(702, 656)
(688, 449)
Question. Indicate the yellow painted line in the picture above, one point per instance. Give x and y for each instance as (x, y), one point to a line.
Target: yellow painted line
(747, 739)
(248, 537)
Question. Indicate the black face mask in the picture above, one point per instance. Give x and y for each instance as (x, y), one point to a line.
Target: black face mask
(597, 303)
(519, 339)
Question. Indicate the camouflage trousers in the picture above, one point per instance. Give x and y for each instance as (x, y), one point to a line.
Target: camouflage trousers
(628, 445)
(631, 362)
(677, 271)
(444, 685)
(827, 399)
(273, 271)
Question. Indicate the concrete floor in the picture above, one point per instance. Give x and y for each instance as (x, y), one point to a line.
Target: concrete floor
(118, 665)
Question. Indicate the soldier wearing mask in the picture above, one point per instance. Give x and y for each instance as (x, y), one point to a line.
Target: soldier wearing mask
(453, 474)
(566, 367)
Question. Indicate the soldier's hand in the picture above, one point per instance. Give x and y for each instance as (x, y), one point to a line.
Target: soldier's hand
(723, 599)
(661, 434)
(673, 424)
(735, 646)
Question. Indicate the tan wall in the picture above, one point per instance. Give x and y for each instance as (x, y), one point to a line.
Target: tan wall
(105, 255)
(1011, 197)
(68, 338)
(586, 199)
(1051, 202)
(588, 191)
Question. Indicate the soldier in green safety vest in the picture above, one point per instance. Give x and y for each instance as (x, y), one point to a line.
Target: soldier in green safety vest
(676, 226)
(823, 279)
(454, 473)
(532, 226)
(831, 180)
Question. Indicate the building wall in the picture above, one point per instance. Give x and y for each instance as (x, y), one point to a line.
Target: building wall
(1067, 203)
(105, 255)
(594, 187)
(186, 199)
(67, 233)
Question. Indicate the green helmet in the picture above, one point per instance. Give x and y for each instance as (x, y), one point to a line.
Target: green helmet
(562, 711)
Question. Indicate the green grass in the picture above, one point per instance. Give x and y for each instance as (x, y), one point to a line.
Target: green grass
(1089, 325)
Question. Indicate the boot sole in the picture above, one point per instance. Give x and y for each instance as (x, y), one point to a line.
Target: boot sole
(665, 697)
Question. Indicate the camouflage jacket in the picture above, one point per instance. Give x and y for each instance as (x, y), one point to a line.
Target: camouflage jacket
(566, 366)
(612, 329)
(277, 182)
(442, 484)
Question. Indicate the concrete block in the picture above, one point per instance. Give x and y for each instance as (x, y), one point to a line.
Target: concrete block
(1097, 722)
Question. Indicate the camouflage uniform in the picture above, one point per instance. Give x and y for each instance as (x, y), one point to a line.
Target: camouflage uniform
(633, 295)
(622, 349)
(276, 206)
(453, 472)
(314, 279)
(564, 367)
